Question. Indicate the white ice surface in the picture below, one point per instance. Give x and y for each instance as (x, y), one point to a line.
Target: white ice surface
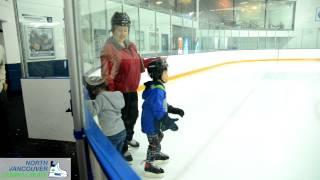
(250, 121)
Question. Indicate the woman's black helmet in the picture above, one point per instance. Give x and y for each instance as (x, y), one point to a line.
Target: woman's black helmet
(156, 66)
(120, 19)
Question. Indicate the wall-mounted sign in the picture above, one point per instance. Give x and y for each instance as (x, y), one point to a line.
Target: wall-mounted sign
(318, 14)
(39, 42)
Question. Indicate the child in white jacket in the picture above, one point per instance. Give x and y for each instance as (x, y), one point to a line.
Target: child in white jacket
(107, 106)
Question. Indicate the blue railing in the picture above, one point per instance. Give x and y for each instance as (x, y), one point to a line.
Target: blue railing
(111, 162)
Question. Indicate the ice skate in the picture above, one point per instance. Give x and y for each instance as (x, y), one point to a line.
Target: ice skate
(128, 157)
(153, 171)
(56, 172)
(161, 158)
(133, 143)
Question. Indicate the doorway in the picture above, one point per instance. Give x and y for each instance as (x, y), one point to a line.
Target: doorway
(164, 43)
(16, 115)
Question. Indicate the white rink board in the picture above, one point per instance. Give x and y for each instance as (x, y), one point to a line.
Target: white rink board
(184, 63)
(45, 103)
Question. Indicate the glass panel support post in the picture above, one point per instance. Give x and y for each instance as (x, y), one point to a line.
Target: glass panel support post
(72, 26)
(24, 64)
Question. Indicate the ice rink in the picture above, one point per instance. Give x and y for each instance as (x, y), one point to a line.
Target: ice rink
(247, 121)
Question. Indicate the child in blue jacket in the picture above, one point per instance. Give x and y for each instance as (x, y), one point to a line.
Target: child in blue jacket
(154, 118)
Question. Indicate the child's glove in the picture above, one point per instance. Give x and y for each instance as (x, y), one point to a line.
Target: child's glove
(174, 110)
(167, 122)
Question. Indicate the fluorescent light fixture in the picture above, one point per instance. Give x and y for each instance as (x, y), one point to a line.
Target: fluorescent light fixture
(244, 2)
(39, 24)
(224, 9)
(158, 2)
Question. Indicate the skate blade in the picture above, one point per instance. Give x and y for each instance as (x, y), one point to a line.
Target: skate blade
(153, 175)
(160, 162)
(57, 175)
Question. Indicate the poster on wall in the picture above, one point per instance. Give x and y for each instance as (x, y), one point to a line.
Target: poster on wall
(318, 14)
(39, 42)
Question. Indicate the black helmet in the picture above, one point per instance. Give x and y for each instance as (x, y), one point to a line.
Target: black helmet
(156, 67)
(120, 19)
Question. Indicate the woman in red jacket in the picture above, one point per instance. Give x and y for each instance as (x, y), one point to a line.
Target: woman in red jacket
(121, 66)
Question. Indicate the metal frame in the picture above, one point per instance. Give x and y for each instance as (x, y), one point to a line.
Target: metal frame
(24, 66)
(72, 27)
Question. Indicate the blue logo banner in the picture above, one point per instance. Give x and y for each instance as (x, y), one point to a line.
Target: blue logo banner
(35, 168)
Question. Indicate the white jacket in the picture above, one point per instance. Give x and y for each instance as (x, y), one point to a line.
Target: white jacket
(2, 67)
(107, 106)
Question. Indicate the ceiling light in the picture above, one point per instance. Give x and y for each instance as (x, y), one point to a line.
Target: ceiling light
(158, 2)
(244, 2)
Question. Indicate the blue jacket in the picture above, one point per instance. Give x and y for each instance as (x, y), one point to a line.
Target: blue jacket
(154, 107)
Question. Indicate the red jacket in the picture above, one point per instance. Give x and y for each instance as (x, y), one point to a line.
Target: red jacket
(121, 67)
